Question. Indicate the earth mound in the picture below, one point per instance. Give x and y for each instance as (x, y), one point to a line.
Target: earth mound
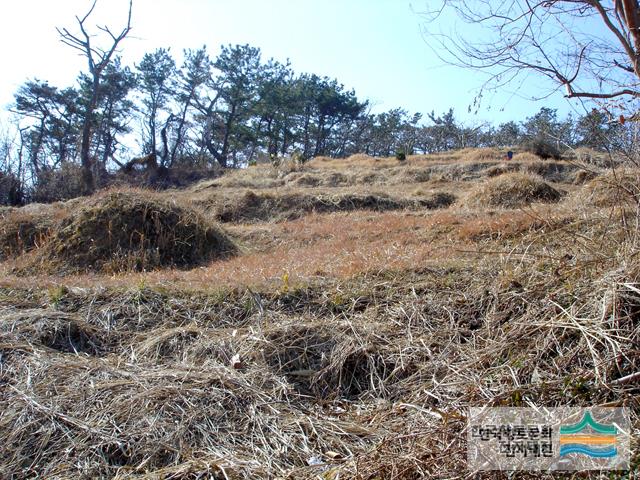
(133, 231)
(513, 190)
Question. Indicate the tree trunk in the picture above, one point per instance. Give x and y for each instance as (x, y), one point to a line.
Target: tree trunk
(180, 129)
(213, 151)
(165, 144)
(85, 156)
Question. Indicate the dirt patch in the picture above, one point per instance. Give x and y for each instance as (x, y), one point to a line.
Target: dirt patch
(512, 190)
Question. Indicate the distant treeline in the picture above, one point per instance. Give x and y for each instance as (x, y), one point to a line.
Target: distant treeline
(229, 111)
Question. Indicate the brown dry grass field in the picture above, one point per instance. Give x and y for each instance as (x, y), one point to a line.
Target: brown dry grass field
(332, 320)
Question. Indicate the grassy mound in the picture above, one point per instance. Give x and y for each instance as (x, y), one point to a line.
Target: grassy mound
(481, 154)
(583, 176)
(125, 231)
(252, 206)
(304, 180)
(512, 190)
(21, 231)
(551, 171)
(501, 169)
(525, 157)
(320, 178)
(616, 188)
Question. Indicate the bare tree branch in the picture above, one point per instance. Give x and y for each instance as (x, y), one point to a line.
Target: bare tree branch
(558, 39)
(98, 59)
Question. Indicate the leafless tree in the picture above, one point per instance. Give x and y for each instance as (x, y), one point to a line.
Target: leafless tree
(98, 58)
(591, 48)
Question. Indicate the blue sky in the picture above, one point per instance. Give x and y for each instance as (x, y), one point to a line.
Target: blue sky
(373, 46)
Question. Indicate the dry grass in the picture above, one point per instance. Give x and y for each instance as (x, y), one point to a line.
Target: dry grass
(367, 378)
(504, 226)
(252, 206)
(594, 158)
(26, 228)
(20, 232)
(129, 230)
(526, 157)
(354, 161)
(621, 187)
(323, 173)
(482, 154)
(583, 176)
(501, 169)
(347, 344)
(512, 190)
(308, 249)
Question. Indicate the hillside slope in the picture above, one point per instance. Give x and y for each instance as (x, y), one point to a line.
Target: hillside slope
(347, 314)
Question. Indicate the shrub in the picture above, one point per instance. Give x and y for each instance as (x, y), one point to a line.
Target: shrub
(541, 147)
(11, 191)
(63, 183)
(401, 156)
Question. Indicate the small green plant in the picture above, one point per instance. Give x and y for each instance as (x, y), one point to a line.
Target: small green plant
(338, 303)
(296, 157)
(516, 398)
(578, 387)
(56, 294)
(253, 162)
(401, 155)
(285, 282)
(141, 285)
